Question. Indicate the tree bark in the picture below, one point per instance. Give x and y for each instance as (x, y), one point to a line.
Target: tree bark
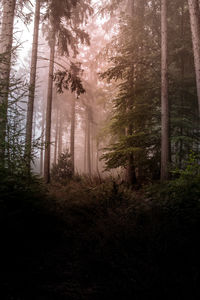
(164, 95)
(88, 141)
(97, 157)
(72, 135)
(92, 145)
(195, 29)
(6, 39)
(48, 112)
(56, 139)
(29, 118)
(85, 147)
(182, 69)
(60, 134)
(42, 149)
(130, 172)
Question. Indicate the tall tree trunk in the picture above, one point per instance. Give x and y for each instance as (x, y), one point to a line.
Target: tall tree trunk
(29, 118)
(130, 172)
(60, 134)
(34, 125)
(97, 157)
(56, 139)
(92, 146)
(42, 149)
(195, 28)
(6, 39)
(48, 111)
(164, 95)
(85, 147)
(72, 134)
(182, 70)
(88, 141)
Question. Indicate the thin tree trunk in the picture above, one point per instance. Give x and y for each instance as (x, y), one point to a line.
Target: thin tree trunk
(29, 118)
(88, 142)
(92, 147)
(42, 149)
(195, 29)
(72, 135)
(48, 112)
(56, 139)
(182, 69)
(164, 95)
(6, 39)
(34, 125)
(130, 172)
(85, 147)
(60, 134)
(97, 157)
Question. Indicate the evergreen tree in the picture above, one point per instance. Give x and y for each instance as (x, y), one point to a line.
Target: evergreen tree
(64, 19)
(10, 8)
(194, 10)
(6, 39)
(165, 147)
(184, 123)
(135, 117)
(29, 118)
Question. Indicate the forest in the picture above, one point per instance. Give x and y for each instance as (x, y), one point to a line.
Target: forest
(99, 149)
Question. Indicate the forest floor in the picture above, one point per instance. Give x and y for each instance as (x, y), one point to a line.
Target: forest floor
(97, 242)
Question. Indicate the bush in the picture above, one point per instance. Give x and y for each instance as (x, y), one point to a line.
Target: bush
(62, 171)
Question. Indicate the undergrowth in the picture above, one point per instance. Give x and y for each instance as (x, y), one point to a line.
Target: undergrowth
(94, 239)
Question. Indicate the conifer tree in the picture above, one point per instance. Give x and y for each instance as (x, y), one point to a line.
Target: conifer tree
(6, 39)
(134, 107)
(184, 124)
(64, 20)
(164, 95)
(72, 133)
(194, 9)
(49, 109)
(29, 118)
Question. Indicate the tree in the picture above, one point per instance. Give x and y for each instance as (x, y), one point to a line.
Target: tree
(49, 109)
(134, 118)
(194, 10)
(6, 39)
(184, 123)
(72, 133)
(56, 137)
(29, 118)
(164, 95)
(60, 135)
(64, 21)
(88, 128)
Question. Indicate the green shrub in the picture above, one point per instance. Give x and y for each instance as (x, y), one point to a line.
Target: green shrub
(62, 171)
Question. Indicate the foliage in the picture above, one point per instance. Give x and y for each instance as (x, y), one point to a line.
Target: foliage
(14, 142)
(70, 80)
(116, 241)
(134, 63)
(61, 172)
(151, 242)
(25, 15)
(135, 117)
(184, 117)
(93, 238)
(191, 170)
(66, 18)
(17, 186)
(183, 190)
(186, 187)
